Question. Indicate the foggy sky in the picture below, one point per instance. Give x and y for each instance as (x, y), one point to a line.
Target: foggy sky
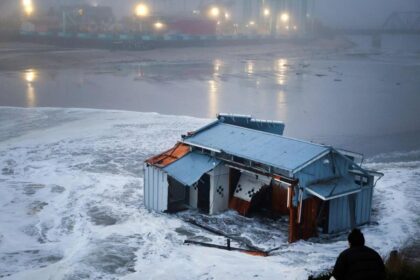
(333, 13)
(361, 13)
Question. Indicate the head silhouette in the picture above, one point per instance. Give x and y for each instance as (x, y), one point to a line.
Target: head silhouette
(356, 238)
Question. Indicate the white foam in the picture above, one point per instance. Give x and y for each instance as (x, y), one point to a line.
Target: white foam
(71, 204)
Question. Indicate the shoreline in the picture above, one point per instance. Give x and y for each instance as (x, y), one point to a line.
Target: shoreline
(15, 56)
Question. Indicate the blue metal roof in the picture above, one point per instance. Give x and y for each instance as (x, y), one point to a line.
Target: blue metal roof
(267, 148)
(334, 188)
(188, 169)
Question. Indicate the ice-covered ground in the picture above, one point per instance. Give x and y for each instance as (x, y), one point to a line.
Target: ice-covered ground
(71, 200)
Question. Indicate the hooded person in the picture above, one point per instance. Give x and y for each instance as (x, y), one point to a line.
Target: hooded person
(358, 262)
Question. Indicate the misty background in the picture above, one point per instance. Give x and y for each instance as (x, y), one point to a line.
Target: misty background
(333, 13)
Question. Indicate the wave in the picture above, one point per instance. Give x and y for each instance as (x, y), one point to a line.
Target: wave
(71, 193)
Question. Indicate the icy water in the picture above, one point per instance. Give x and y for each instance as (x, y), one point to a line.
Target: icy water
(362, 99)
(71, 198)
(71, 180)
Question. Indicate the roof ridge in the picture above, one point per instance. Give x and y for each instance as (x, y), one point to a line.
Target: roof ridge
(277, 135)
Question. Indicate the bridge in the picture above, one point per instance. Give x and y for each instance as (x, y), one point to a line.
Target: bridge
(395, 23)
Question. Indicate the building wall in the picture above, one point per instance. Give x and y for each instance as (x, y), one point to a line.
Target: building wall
(219, 189)
(340, 211)
(193, 197)
(326, 167)
(341, 214)
(155, 188)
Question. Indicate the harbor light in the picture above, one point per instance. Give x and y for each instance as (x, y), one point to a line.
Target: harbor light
(159, 25)
(284, 17)
(214, 12)
(28, 7)
(252, 23)
(142, 10)
(227, 15)
(266, 12)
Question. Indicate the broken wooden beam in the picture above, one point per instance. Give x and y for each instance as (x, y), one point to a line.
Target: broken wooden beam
(228, 248)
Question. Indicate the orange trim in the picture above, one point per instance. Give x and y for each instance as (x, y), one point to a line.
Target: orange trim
(169, 156)
(256, 253)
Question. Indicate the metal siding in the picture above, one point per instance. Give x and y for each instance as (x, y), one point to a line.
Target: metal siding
(364, 205)
(320, 171)
(339, 216)
(313, 172)
(339, 211)
(155, 189)
(267, 148)
(145, 188)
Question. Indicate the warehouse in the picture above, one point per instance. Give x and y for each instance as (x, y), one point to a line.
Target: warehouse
(247, 165)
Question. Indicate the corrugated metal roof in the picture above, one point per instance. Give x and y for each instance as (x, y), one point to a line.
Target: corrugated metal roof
(188, 169)
(334, 188)
(267, 148)
(169, 156)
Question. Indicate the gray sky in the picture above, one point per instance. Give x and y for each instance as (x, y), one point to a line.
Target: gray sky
(361, 13)
(334, 13)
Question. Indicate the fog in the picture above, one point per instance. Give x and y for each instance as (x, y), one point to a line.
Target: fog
(91, 89)
(334, 14)
(361, 13)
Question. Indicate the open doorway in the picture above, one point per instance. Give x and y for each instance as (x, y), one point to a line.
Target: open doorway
(270, 201)
(203, 199)
(178, 196)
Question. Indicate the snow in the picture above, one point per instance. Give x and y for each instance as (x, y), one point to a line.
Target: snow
(71, 200)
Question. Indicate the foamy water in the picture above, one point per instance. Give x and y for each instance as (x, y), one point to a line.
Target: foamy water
(71, 200)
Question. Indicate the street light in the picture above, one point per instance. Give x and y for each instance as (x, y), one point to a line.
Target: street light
(227, 15)
(214, 12)
(266, 12)
(28, 7)
(159, 25)
(284, 17)
(142, 10)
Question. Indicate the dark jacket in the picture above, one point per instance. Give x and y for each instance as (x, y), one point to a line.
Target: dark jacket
(357, 263)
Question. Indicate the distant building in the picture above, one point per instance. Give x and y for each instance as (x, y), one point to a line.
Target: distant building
(247, 165)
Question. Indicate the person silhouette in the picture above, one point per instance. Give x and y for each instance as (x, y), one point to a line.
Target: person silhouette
(358, 262)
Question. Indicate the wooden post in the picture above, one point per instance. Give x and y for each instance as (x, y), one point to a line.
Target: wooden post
(293, 234)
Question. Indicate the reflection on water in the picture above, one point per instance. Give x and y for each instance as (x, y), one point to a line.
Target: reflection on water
(30, 77)
(281, 67)
(30, 96)
(213, 97)
(250, 67)
(217, 64)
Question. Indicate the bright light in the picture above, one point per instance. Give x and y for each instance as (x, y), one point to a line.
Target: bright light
(227, 15)
(284, 17)
(159, 25)
(214, 12)
(28, 7)
(252, 23)
(266, 12)
(30, 75)
(142, 10)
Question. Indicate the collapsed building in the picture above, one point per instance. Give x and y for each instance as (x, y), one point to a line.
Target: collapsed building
(247, 165)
